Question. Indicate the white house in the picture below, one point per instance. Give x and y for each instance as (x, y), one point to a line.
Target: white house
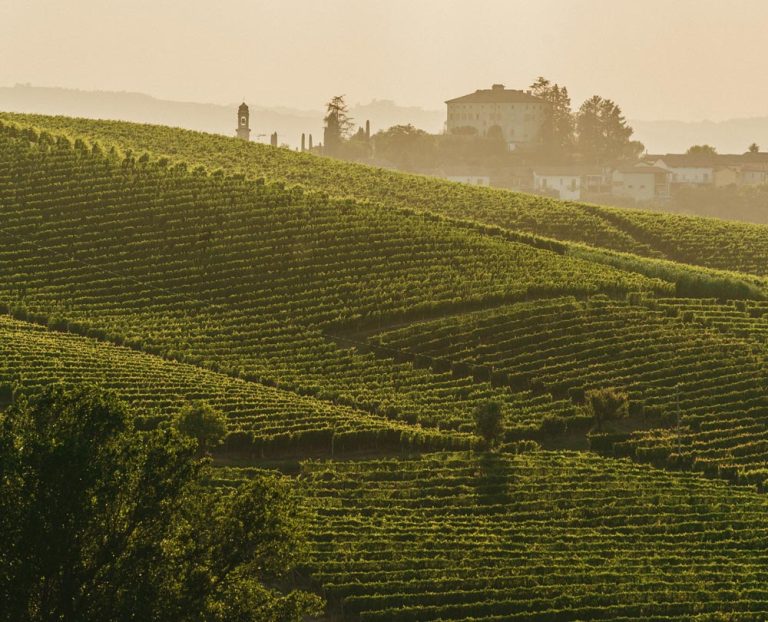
(567, 182)
(687, 169)
(754, 174)
(642, 182)
(517, 115)
(475, 180)
(564, 185)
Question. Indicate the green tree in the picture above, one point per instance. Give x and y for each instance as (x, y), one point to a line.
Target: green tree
(200, 421)
(559, 125)
(99, 521)
(702, 150)
(338, 125)
(606, 405)
(754, 148)
(405, 146)
(489, 422)
(603, 134)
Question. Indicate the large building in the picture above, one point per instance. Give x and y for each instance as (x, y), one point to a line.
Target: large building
(518, 115)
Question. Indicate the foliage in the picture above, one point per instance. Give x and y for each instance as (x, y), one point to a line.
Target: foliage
(338, 125)
(745, 203)
(248, 279)
(554, 425)
(717, 245)
(606, 405)
(603, 134)
(405, 146)
(200, 421)
(101, 522)
(702, 150)
(536, 536)
(489, 422)
(559, 127)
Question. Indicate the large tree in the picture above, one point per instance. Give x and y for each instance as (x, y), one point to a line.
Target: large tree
(405, 146)
(603, 134)
(489, 422)
(707, 151)
(559, 125)
(199, 420)
(99, 521)
(338, 124)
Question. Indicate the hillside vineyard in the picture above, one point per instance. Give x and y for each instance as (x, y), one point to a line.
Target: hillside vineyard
(693, 240)
(353, 319)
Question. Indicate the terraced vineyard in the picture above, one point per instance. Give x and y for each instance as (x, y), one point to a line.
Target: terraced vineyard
(370, 312)
(245, 277)
(694, 240)
(709, 242)
(262, 420)
(709, 387)
(536, 536)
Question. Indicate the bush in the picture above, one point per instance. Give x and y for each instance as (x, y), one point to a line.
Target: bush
(606, 405)
(554, 425)
(489, 422)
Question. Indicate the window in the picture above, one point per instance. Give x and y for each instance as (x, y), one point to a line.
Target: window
(242, 120)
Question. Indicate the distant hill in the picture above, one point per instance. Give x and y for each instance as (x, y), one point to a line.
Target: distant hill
(215, 118)
(730, 136)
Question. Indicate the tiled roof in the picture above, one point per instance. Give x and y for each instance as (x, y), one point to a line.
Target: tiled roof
(497, 95)
(566, 171)
(639, 170)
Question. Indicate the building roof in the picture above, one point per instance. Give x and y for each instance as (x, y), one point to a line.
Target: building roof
(566, 171)
(756, 167)
(497, 94)
(685, 160)
(642, 170)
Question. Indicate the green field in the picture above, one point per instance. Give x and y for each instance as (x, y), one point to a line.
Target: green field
(357, 317)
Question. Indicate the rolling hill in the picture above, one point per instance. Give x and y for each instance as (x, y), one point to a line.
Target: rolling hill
(332, 309)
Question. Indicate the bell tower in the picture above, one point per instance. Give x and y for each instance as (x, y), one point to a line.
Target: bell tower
(243, 122)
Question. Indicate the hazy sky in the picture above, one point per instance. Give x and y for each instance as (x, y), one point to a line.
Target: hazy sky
(659, 59)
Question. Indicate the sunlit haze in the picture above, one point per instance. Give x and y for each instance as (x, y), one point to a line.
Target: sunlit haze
(687, 59)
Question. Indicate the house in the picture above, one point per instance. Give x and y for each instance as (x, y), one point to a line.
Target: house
(754, 174)
(727, 176)
(642, 182)
(687, 169)
(567, 182)
(517, 116)
(466, 175)
(475, 180)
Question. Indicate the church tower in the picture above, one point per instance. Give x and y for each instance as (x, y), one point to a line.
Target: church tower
(243, 120)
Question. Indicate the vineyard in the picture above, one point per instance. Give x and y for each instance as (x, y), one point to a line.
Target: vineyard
(693, 240)
(244, 278)
(708, 385)
(534, 536)
(262, 420)
(359, 318)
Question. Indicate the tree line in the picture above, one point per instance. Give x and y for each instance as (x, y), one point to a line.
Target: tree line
(596, 133)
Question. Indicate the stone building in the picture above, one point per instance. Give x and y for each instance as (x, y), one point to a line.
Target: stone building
(517, 116)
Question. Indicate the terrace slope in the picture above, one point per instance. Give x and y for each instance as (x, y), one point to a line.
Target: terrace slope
(245, 278)
(262, 420)
(694, 240)
(534, 536)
